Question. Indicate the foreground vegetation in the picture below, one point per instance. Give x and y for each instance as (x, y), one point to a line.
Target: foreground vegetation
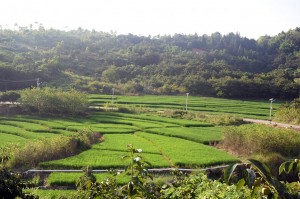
(252, 179)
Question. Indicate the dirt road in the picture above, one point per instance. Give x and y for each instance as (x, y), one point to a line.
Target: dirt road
(272, 123)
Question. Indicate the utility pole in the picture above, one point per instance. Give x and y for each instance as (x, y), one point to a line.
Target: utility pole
(271, 107)
(38, 82)
(186, 101)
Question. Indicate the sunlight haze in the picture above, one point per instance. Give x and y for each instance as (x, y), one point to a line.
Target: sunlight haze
(156, 17)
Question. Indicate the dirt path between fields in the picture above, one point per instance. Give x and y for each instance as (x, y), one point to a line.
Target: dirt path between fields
(271, 123)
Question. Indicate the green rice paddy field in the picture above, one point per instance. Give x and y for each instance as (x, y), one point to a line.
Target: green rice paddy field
(244, 108)
(166, 142)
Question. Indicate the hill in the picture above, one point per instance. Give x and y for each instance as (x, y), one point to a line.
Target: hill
(211, 65)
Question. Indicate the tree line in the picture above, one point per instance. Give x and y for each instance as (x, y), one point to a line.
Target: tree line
(228, 65)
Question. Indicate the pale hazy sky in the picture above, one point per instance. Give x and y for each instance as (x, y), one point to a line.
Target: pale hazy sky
(251, 18)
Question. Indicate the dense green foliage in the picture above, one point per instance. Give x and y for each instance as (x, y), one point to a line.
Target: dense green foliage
(11, 184)
(258, 177)
(289, 113)
(53, 101)
(10, 96)
(200, 186)
(217, 65)
(252, 139)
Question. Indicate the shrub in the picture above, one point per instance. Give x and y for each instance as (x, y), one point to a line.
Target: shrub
(137, 187)
(9, 96)
(200, 186)
(53, 101)
(57, 147)
(83, 182)
(257, 177)
(11, 185)
(223, 119)
(289, 113)
(251, 139)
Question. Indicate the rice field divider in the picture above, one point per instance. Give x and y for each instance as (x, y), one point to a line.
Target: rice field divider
(154, 170)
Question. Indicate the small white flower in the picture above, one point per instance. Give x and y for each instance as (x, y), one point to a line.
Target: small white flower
(137, 159)
(139, 150)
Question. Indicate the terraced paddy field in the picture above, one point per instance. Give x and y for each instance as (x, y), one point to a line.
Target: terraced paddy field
(166, 142)
(162, 139)
(241, 108)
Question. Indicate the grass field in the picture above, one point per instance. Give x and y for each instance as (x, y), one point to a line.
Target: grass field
(52, 194)
(166, 142)
(242, 108)
(20, 132)
(108, 154)
(10, 138)
(197, 134)
(119, 130)
(161, 151)
(69, 179)
(185, 153)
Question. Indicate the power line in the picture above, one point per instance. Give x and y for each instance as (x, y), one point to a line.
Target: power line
(8, 82)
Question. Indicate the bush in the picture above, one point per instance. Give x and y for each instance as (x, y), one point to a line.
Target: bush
(100, 87)
(11, 184)
(57, 147)
(53, 101)
(200, 186)
(9, 96)
(252, 138)
(289, 113)
(223, 119)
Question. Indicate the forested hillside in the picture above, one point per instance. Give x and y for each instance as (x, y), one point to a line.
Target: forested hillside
(210, 65)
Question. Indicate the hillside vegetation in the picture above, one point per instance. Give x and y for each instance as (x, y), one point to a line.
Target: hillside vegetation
(289, 112)
(212, 65)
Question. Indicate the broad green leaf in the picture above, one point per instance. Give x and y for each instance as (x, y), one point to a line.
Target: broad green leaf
(229, 171)
(240, 184)
(291, 166)
(264, 170)
(282, 167)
